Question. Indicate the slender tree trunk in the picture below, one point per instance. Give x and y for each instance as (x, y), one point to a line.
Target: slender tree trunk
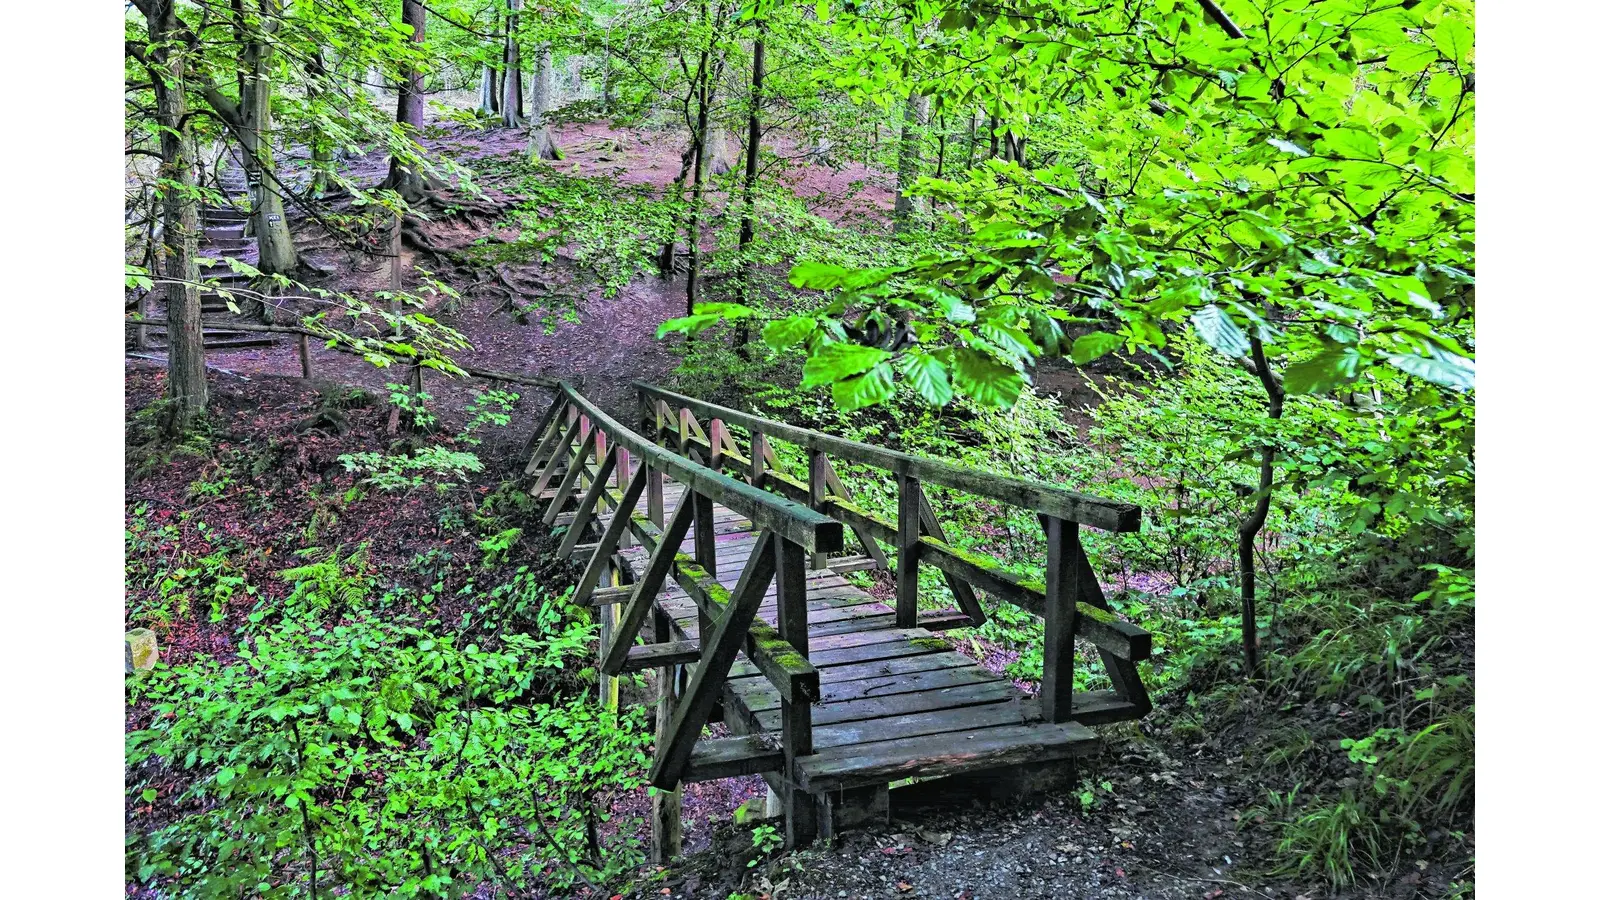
(972, 139)
(276, 253)
(511, 77)
(692, 290)
(186, 359)
(909, 210)
(404, 178)
(752, 157)
(541, 144)
(1252, 525)
(321, 147)
(486, 92)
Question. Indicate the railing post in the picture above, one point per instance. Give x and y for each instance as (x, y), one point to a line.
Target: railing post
(909, 552)
(705, 546)
(758, 459)
(818, 481)
(800, 808)
(1061, 588)
(624, 477)
(666, 807)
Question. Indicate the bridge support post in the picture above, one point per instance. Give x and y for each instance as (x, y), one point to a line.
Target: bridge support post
(908, 551)
(666, 807)
(1061, 592)
(800, 808)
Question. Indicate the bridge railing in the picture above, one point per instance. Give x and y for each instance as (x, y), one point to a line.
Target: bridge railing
(1070, 599)
(583, 458)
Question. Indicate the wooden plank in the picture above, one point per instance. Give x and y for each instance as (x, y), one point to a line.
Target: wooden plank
(965, 598)
(1100, 626)
(908, 547)
(835, 486)
(814, 531)
(731, 757)
(945, 754)
(1086, 509)
(760, 698)
(1060, 607)
(650, 656)
(601, 560)
(644, 593)
(557, 452)
(716, 657)
(587, 506)
(569, 482)
(900, 704)
(784, 666)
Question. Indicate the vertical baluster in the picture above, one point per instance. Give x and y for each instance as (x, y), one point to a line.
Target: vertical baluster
(909, 550)
(758, 459)
(624, 478)
(800, 808)
(819, 487)
(1061, 590)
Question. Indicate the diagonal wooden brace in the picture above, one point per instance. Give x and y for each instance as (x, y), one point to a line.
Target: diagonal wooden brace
(644, 592)
(716, 657)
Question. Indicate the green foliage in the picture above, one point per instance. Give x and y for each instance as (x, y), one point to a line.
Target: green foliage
(390, 472)
(330, 581)
(376, 758)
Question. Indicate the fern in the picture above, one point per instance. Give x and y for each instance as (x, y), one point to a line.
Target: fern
(328, 582)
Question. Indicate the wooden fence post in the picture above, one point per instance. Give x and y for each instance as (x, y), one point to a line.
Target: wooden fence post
(305, 356)
(909, 552)
(800, 808)
(666, 807)
(1061, 590)
(818, 480)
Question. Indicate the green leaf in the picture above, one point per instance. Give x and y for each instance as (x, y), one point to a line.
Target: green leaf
(1442, 368)
(1410, 291)
(818, 275)
(1094, 345)
(928, 376)
(833, 362)
(1411, 58)
(1351, 143)
(1216, 329)
(224, 775)
(985, 381)
(1333, 367)
(1453, 37)
(781, 334)
(873, 386)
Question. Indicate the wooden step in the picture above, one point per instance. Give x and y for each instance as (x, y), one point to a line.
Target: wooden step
(731, 757)
(944, 754)
(651, 656)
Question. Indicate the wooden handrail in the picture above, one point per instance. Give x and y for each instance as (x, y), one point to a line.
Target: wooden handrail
(1071, 506)
(787, 519)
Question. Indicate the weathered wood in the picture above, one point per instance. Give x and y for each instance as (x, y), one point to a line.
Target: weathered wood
(732, 757)
(817, 471)
(800, 809)
(814, 531)
(557, 453)
(1060, 615)
(1099, 626)
(587, 506)
(303, 344)
(716, 658)
(666, 807)
(908, 548)
(867, 708)
(965, 598)
(1085, 509)
(936, 755)
(569, 482)
(650, 656)
(542, 434)
(644, 592)
(782, 664)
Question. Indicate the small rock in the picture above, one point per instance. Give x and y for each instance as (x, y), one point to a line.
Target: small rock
(140, 654)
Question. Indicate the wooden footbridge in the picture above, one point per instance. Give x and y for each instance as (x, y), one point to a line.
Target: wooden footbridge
(722, 573)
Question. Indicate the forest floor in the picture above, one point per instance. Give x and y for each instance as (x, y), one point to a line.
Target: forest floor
(1156, 816)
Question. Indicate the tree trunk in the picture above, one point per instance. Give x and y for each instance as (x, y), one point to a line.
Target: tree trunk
(321, 147)
(276, 253)
(404, 178)
(752, 156)
(1258, 516)
(541, 144)
(186, 355)
(511, 77)
(909, 210)
(487, 98)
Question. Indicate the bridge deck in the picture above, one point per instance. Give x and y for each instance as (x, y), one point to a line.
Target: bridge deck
(897, 702)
